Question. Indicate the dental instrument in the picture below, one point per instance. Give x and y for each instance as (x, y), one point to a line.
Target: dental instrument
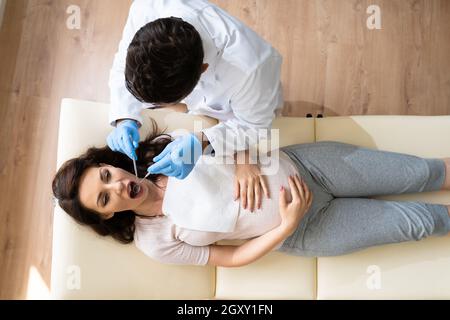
(135, 168)
(137, 187)
(140, 181)
(134, 161)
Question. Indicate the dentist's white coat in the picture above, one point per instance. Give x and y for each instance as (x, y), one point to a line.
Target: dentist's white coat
(241, 87)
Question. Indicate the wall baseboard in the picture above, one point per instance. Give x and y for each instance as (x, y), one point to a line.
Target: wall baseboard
(2, 10)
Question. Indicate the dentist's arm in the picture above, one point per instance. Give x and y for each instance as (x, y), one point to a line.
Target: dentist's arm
(257, 97)
(291, 213)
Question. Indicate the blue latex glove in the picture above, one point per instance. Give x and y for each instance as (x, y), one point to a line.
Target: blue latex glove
(178, 158)
(125, 138)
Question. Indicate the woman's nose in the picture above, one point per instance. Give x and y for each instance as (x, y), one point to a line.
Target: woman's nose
(118, 187)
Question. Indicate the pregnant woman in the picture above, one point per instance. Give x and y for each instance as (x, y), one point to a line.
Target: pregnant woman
(316, 206)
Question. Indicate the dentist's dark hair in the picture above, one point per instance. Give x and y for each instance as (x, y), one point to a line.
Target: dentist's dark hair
(164, 61)
(66, 184)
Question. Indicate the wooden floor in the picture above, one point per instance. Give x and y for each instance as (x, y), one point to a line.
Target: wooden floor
(332, 65)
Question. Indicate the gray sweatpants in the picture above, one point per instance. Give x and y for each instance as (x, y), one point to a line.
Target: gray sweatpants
(340, 221)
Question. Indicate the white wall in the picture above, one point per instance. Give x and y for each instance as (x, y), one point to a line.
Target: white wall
(2, 9)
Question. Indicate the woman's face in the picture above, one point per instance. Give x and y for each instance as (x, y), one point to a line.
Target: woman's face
(107, 189)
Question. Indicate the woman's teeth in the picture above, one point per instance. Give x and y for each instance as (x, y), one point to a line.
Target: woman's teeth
(135, 188)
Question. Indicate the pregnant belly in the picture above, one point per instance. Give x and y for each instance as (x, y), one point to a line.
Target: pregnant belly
(251, 224)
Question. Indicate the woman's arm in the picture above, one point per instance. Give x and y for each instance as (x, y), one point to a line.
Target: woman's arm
(291, 214)
(237, 256)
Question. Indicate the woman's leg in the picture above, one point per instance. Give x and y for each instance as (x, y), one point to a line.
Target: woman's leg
(351, 224)
(446, 185)
(346, 170)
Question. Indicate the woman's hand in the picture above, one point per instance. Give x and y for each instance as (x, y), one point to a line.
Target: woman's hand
(249, 185)
(291, 213)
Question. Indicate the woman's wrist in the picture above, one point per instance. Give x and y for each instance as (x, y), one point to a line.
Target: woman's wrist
(257, 247)
(287, 228)
(246, 157)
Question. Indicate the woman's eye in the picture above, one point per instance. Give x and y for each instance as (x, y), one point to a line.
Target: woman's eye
(106, 175)
(105, 199)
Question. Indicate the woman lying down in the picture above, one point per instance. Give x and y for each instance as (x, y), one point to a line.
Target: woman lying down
(316, 205)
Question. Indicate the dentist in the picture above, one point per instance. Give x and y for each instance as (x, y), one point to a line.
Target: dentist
(193, 56)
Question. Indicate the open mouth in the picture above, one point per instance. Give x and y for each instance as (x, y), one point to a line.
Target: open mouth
(135, 190)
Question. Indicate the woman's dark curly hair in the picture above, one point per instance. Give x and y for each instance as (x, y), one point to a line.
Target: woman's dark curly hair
(164, 61)
(66, 184)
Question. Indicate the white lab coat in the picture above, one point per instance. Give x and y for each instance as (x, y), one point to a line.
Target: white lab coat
(241, 87)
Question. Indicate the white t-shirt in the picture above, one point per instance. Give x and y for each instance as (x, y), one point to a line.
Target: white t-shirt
(162, 240)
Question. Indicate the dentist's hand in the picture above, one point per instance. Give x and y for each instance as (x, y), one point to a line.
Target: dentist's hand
(125, 138)
(178, 158)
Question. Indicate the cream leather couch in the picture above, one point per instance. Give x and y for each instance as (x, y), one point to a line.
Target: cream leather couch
(86, 266)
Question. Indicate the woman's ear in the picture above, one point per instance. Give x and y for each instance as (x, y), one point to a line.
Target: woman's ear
(204, 67)
(108, 216)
